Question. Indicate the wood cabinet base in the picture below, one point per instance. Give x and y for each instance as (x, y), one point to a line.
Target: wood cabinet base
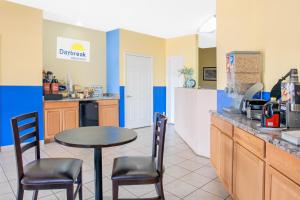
(279, 187)
(59, 116)
(251, 168)
(248, 175)
(109, 112)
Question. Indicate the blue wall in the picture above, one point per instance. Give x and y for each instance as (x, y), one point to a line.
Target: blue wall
(159, 102)
(122, 107)
(112, 61)
(17, 100)
(224, 101)
(159, 99)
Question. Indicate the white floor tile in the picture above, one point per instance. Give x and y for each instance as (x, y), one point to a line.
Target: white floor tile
(179, 188)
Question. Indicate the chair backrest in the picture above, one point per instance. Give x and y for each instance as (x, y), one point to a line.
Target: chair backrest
(159, 140)
(26, 135)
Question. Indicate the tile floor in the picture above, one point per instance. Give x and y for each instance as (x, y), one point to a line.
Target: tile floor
(187, 176)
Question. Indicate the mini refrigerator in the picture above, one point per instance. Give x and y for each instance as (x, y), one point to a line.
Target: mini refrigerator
(88, 113)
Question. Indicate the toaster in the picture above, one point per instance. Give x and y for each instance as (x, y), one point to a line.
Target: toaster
(254, 108)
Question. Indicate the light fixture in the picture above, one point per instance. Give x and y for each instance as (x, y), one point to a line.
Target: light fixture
(79, 23)
(209, 25)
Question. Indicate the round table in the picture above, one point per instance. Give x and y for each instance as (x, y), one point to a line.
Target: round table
(97, 138)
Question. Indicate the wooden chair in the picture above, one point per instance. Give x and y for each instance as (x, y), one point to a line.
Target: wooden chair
(42, 173)
(143, 170)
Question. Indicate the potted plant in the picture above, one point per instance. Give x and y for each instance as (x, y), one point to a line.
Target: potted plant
(187, 73)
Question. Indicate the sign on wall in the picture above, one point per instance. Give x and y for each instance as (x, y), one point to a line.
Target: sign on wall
(71, 49)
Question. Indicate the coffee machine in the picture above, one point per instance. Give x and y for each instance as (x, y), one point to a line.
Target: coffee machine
(289, 93)
(292, 115)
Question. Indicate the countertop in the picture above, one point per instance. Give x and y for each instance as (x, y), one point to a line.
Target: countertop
(253, 127)
(115, 96)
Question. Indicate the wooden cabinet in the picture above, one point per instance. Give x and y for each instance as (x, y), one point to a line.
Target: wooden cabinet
(215, 148)
(248, 175)
(53, 123)
(226, 161)
(250, 142)
(70, 117)
(109, 112)
(59, 116)
(222, 156)
(250, 168)
(279, 187)
(288, 164)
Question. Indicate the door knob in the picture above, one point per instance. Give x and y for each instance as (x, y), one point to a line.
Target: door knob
(128, 96)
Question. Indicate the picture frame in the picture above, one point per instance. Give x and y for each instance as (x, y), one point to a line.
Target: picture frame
(209, 73)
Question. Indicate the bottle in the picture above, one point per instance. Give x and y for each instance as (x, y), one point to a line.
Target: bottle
(54, 86)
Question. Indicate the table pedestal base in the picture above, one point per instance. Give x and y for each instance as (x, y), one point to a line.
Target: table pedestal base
(98, 173)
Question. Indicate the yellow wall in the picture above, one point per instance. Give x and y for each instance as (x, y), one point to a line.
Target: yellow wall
(267, 26)
(281, 38)
(82, 73)
(207, 58)
(186, 46)
(146, 45)
(21, 45)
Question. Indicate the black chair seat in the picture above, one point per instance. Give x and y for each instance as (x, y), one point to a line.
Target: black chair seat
(51, 171)
(133, 168)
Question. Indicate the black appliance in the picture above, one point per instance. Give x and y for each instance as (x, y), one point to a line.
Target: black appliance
(88, 113)
(254, 108)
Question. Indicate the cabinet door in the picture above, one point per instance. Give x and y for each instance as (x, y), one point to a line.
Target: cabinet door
(109, 115)
(53, 125)
(248, 175)
(70, 118)
(226, 161)
(279, 187)
(215, 148)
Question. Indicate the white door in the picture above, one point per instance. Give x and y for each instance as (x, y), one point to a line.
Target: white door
(138, 91)
(174, 63)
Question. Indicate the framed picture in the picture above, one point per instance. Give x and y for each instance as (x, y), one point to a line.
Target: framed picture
(209, 73)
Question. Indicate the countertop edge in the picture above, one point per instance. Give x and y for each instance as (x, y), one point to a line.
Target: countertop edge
(85, 99)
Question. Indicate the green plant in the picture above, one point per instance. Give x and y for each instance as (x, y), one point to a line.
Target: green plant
(187, 73)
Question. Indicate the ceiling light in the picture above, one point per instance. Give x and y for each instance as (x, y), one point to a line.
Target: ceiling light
(209, 26)
(79, 23)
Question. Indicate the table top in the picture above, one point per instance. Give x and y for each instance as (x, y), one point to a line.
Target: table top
(95, 137)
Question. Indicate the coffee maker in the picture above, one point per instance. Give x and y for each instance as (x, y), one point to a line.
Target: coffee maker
(292, 113)
(289, 93)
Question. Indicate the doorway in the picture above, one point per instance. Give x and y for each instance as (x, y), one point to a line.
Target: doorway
(138, 91)
(174, 63)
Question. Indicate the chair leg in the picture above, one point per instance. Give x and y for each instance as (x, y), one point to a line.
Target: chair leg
(115, 187)
(160, 189)
(20, 192)
(70, 192)
(35, 195)
(80, 183)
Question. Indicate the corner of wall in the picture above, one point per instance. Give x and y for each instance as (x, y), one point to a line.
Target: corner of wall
(112, 61)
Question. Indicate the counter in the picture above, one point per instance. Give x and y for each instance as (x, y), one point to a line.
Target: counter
(252, 127)
(60, 115)
(192, 118)
(253, 163)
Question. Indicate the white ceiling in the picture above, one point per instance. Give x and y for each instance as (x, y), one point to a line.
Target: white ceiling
(163, 18)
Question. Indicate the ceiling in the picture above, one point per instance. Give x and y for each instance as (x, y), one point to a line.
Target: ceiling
(162, 18)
